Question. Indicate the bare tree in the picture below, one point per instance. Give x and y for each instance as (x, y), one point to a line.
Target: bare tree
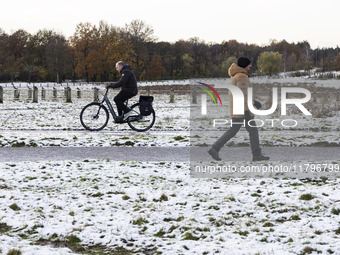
(140, 31)
(140, 34)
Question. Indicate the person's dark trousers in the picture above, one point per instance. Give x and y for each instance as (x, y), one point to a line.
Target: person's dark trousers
(232, 131)
(120, 98)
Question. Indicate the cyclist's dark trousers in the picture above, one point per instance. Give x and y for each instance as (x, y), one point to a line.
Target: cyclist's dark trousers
(252, 130)
(120, 98)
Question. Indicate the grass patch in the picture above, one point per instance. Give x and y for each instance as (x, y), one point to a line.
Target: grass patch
(125, 197)
(261, 204)
(140, 221)
(73, 243)
(129, 143)
(160, 233)
(173, 219)
(99, 194)
(14, 252)
(337, 231)
(162, 198)
(243, 233)
(18, 144)
(309, 250)
(15, 207)
(295, 217)
(324, 144)
(268, 224)
(4, 227)
(190, 236)
(255, 195)
(72, 239)
(306, 197)
(336, 211)
(318, 232)
(179, 138)
(215, 207)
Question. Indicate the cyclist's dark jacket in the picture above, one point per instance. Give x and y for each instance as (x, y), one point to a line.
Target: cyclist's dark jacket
(127, 81)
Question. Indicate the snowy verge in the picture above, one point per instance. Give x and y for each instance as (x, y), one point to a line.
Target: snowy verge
(64, 207)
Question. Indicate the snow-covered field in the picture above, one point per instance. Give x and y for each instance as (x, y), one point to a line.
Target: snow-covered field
(155, 207)
(129, 207)
(57, 124)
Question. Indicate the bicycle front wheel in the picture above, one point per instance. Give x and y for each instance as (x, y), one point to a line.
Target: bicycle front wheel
(94, 116)
(138, 122)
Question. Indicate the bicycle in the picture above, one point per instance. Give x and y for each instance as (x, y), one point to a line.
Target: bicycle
(95, 116)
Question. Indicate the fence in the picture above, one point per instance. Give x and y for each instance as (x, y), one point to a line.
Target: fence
(95, 84)
(59, 93)
(321, 96)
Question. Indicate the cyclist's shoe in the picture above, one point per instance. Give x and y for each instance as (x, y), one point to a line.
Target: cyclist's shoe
(119, 119)
(214, 154)
(126, 115)
(260, 157)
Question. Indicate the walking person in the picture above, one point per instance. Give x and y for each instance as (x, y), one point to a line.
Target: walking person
(128, 83)
(239, 77)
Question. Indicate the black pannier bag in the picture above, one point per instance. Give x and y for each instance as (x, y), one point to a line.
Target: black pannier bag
(145, 105)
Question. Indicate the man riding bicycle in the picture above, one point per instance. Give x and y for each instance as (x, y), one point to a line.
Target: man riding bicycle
(128, 83)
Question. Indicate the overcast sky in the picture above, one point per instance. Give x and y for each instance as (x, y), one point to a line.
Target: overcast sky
(248, 21)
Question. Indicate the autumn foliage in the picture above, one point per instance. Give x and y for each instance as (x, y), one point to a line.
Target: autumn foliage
(91, 52)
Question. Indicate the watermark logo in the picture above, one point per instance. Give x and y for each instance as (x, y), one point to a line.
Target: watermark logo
(213, 90)
(238, 99)
(204, 97)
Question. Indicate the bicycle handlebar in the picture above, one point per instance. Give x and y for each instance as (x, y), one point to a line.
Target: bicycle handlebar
(107, 90)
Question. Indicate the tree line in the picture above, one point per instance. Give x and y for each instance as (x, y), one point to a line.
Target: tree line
(91, 53)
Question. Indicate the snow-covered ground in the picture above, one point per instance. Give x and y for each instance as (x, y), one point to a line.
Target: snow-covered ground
(49, 123)
(102, 206)
(67, 207)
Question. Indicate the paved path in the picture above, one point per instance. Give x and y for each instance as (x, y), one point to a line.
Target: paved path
(122, 153)
(275, 153)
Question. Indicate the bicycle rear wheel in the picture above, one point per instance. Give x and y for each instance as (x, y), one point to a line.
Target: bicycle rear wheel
(138, 122)
(94, 116)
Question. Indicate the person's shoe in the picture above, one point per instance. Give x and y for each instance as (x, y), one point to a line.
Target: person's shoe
(214, 154)
(260, 157)
(126, 115)
(119, 119)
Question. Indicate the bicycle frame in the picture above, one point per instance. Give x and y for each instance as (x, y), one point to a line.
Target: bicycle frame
(109, 105)
(111, 109)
